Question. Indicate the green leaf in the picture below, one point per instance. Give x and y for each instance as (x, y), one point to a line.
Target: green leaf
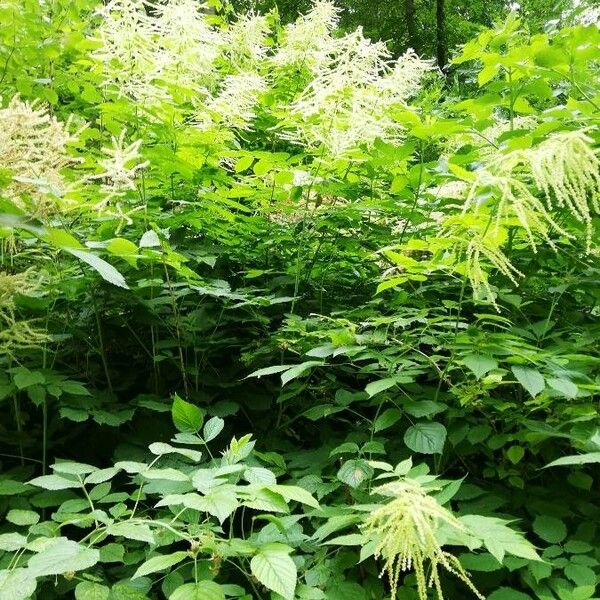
(515, 454)
(575, 459)
(16, 584)
(9, 542)
(550, 529)
(386, 419)
(186, 417)
(498, 537)
(60, 556)
(22, 517)
(426, 438)
(294, 492)
(298, 370)
(376, 387)
(24, 378)
(212, 428)
(106, 270)
(160, 563)
(55, 482)
(203, 590)
(274, 568)
(355, 472)
(131, 531)
(564, 386)
(89, 590)
(581, 575)
(480, 364)
(531, 379)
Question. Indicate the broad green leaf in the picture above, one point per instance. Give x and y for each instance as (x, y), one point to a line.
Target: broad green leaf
(426, 437)
(160, 449)
(149, 240)
(355, 472)
(131, 531)
(480, 364)
(203, 590)
(9, 542)
(60, 556)
(186, 417)
(106, 270)
(89, 590)
(550, 529)
(576, 459)
(159, 563)
(55, 482)
(515, 454)
(564, 386)
(386, 419)
(274, 568)
(531, 379)
(24, 378)
(22, 517)
(212, 428)
(294, 492)
(298, 370)
(498, 537)
(16, 584)
(376, 387)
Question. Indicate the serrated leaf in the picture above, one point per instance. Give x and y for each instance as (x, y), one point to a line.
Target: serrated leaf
(498, 537)
(149, 239)
(355, 472)
(386, 419)
(376, 387)
(16, 584)
(274, 568)
(203, 590)
(426, 438)
(104, 269)
(550, 529)
(61, 556)
(90, 590)
(294, 492)
(575, 459)
(54, 482)
(159, 563)
(22, 517)
(9, 542)
(160, 448)
(480, 364)
(212, 428)
(531, 379)
(298, 370)
(187, 417)
(131, 531)
(566, 387)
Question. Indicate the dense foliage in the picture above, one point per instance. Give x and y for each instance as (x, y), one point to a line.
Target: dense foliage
(282, 316)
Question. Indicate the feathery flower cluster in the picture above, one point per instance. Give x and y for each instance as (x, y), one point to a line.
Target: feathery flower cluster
(349, 100)
(566, 169)
(405, 530)
(16, 333)
(244, 40)
(234, 105)
(33, 148)
(143, 55)
(120, 169)
(308, 41)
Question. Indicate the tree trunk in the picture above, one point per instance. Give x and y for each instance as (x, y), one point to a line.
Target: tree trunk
(441, 42)
(410, 14)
